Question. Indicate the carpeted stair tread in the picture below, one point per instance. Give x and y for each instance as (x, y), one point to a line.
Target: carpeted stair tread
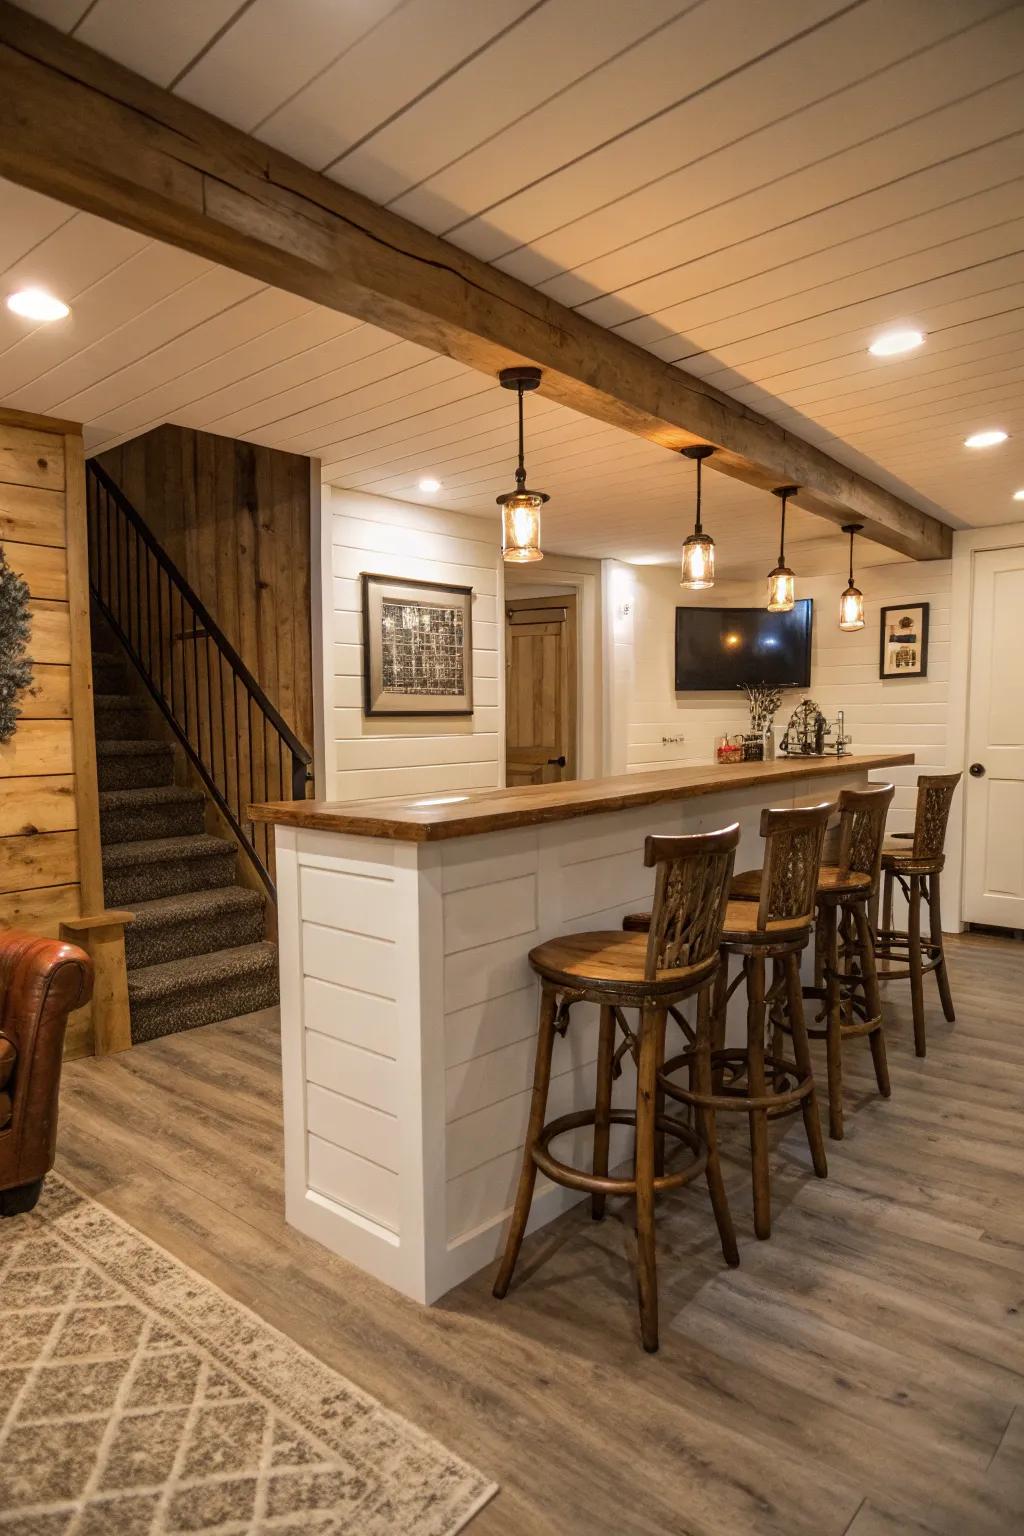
(153, 850)
(120, 716)
(196, 904)
(186, 994)
(133, 764)
(136, 748)
(162, 810)
(165, 866)
(195, 923)
(192, 975)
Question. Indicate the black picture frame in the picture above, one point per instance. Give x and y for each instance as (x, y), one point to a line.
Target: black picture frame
(379, 700)
(892, 663)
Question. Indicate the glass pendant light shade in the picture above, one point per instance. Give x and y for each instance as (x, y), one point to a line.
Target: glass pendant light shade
(781, 590)
(698, 562)
(851, 603)
(698, 559)
(781, 581)
(520, 509)
(851, 609)
(520, 528)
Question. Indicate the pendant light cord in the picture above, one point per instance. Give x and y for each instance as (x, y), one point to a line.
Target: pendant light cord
(851, 557)
(782, 533)
(698, 529)
(521, 471)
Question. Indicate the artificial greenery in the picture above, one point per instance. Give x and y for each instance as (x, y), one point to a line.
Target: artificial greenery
(15, 627)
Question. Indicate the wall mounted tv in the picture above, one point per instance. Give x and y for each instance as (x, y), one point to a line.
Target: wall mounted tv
(720, 648)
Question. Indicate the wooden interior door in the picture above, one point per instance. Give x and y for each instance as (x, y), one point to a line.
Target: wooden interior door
(994, 784)
(540, 690)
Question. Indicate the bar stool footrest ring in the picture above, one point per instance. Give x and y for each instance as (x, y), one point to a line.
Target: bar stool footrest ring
(607, 1184)
(734, 1099)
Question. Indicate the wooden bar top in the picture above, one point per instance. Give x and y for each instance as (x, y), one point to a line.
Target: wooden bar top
(429, 818)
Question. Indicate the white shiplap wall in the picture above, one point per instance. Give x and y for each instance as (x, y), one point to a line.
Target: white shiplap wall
(881, 716)
(366, 758)
(644, 653)
(900, 714)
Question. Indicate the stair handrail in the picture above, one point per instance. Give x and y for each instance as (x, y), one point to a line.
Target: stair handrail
(302, 758)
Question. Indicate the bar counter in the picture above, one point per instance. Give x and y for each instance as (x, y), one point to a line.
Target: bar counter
(408, 1006)
(431, 818)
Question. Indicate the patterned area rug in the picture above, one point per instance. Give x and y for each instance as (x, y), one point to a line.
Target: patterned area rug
(136, 1399)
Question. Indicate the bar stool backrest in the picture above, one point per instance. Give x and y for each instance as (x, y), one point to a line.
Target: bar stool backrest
(862, 814)
(792, 857)
(691, 891)
(935, 793)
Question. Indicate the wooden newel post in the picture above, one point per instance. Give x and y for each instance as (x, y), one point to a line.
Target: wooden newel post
(102, 937)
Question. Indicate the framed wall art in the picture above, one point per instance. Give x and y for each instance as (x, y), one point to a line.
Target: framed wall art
(904, 641)
(417, 647)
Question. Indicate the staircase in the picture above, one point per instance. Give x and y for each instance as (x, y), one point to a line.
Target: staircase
(186, 740)
(196, 950)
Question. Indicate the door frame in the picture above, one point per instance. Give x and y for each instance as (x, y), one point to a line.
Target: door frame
(554, 600)
(564, 575)
(967, 543)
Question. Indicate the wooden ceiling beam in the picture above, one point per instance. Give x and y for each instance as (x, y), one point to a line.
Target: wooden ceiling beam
(79, 127)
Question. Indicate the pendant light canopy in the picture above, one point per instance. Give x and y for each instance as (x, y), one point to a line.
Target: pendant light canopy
(781, 581)
(698, 560)
(851, 604)
(520, 509)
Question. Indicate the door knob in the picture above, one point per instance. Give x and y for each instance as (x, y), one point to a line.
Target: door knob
(557, 762)
(977, 770)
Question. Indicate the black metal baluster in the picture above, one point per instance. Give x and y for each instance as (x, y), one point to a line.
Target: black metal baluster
(136, 604)
(195, 682)
(183, 663)
(223, 722)
(209, 707)
(160, 682)
(252, 772)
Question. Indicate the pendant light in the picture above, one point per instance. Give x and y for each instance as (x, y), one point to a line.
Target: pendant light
(520, 509)
(698, 559)
(851, 604)
(781, 581)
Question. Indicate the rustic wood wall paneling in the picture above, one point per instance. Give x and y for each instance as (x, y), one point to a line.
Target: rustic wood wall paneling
(51, 873)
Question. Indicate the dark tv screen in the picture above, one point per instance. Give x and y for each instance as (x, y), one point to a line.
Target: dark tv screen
(719, 648)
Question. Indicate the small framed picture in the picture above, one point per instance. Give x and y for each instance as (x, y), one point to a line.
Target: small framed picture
(904, 641)
(417, 647)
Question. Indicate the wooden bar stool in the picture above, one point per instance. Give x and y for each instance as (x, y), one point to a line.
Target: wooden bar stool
(756, 1079)
(846, 979)
(676, 960)
(917, 870)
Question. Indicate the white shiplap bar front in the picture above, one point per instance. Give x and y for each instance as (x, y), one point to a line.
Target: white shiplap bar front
(408, 1015)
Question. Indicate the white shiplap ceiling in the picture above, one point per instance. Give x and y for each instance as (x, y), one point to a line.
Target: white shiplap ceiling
(752, 191)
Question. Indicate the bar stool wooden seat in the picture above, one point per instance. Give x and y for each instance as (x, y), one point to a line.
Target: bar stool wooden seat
(917, 871)
(756, 1079)
(677, 959)
(846, 978)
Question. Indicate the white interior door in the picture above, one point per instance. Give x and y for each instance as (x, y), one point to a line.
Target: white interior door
(994, 784)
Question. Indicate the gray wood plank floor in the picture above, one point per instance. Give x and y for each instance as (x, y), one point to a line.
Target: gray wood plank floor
(861, 1374)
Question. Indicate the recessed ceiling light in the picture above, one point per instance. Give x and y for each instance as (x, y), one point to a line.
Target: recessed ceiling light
(987, 439)
(37, 304)
(429, 484)
(1018, 495)
(892, 343)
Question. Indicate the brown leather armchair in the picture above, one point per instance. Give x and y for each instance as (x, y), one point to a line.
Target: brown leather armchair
(41, 981)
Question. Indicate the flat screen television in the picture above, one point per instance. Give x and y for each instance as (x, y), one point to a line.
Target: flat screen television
(722, 648)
